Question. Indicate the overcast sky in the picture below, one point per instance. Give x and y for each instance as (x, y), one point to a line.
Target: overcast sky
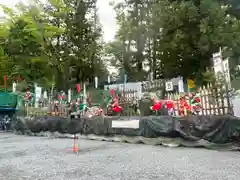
(106, 13)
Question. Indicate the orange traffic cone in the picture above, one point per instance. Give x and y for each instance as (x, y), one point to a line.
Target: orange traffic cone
(75, 146)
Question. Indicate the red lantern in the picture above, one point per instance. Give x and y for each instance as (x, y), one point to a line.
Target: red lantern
(78, 88)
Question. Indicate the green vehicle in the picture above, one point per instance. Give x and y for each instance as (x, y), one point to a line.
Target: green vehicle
(8, 108)
(8, 101)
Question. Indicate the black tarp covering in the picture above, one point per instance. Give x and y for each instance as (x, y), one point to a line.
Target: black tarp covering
(215, 129)
(6, 117)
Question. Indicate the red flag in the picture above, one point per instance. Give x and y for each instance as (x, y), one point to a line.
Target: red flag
(78, 88)
(5, 82)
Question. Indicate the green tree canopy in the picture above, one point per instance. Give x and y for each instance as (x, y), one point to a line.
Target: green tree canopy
(175, 38)
(55, 42)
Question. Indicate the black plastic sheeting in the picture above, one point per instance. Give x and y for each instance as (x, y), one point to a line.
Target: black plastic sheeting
(6, 118)
(215, 129)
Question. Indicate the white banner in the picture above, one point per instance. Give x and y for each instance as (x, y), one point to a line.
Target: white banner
(38, 91)
(96, 82)
(69, 95)
(217, 63)
(180, 86)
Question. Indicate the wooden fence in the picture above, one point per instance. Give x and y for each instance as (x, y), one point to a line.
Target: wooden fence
(212, 101)
(50, 110)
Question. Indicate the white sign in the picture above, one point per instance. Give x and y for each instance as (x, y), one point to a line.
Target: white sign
(226, 71)
(96, 82)
(45, 95)
(221, 66)
(69, 95)
(169, 86)
(131, 124)
(14, 85)
(38, 93)
(217, 63)
(180, 86)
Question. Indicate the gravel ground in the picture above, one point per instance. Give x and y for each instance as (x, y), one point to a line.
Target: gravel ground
(41, 158)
